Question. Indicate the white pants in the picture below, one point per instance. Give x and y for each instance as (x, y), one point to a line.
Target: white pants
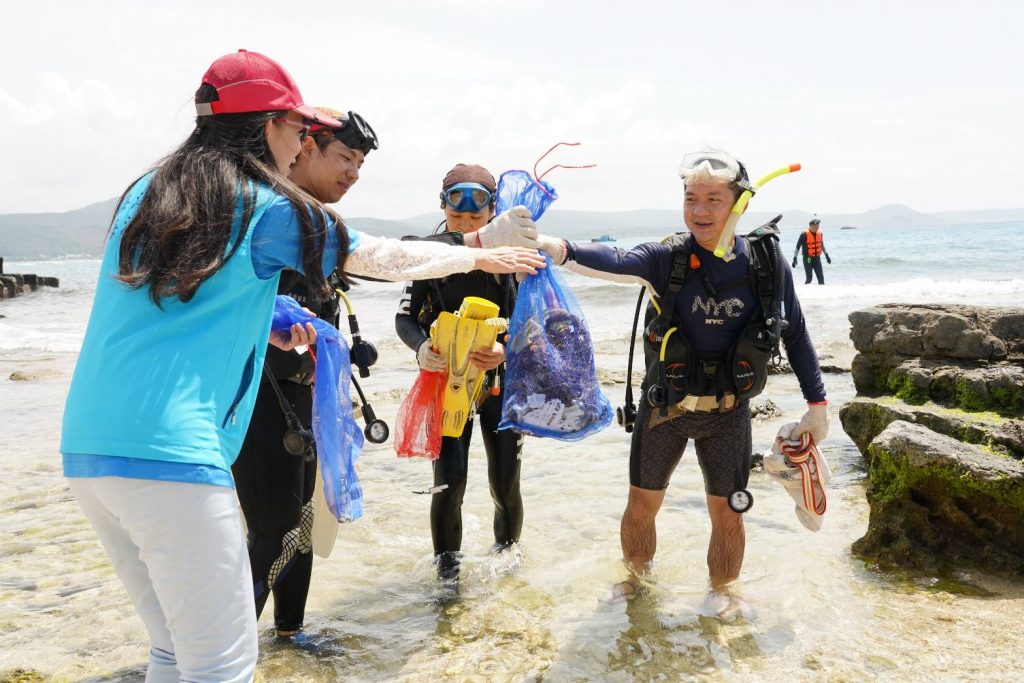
(180, 551)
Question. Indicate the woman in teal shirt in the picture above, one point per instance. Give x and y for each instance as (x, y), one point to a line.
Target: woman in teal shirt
(164, 385)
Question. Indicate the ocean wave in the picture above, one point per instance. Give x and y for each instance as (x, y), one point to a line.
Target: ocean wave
(935, 290)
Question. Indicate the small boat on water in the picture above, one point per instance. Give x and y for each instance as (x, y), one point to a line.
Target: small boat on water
(602, 238)
(848, 227)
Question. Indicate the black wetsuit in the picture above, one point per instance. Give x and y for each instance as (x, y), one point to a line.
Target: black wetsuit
(812, 264)
(422, 301)
(275, 488)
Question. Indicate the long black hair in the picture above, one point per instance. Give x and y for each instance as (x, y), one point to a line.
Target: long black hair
(181, 234)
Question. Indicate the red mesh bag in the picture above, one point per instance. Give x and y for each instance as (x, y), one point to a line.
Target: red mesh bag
(418, 428)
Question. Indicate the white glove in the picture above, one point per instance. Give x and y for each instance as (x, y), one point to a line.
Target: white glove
(555, 247)
(514, 228)
(429, 359)
(815, 421)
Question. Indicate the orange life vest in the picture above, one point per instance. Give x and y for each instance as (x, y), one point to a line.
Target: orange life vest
(814, 243)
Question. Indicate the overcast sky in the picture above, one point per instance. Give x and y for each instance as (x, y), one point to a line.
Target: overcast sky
(901, 101)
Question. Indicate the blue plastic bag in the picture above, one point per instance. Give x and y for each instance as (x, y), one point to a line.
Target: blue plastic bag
(551, 386)
(519, 188)
(339, 441)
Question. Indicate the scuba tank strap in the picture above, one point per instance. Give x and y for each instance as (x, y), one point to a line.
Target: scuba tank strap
(761, 276)
(767, 279)
(681, 252)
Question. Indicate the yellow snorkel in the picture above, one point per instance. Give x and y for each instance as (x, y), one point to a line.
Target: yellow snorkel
(722, 250)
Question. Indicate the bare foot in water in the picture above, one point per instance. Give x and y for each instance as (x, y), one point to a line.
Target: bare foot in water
(623, 590)
(723, 605)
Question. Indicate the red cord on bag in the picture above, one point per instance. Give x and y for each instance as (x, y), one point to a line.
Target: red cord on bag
(553, 147)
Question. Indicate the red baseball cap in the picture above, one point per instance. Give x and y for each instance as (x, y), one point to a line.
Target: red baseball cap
(250, 82)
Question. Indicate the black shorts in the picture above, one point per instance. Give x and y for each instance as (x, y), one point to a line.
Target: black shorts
(723, 442)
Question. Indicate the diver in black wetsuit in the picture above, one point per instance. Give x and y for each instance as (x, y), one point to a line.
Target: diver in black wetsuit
(813, 244)
(275, 488)
(467, 196)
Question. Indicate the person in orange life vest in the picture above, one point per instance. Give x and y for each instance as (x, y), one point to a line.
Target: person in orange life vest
(813, 244)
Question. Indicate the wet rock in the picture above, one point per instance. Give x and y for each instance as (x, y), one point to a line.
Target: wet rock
(863, 419)
(996, 386)
(9, 287)
(834, 369)
(22, 676)
(765, 409)
(32, 375)
(939, 330)
(14, 284)
(939, 504)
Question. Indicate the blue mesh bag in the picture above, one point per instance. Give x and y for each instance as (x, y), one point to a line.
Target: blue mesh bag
(551, 386)
(519, 188)
(339, 441)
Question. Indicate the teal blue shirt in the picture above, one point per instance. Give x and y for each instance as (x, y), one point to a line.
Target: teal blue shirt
(166, 392)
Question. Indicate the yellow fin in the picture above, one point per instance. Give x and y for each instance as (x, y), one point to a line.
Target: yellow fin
(455, 335)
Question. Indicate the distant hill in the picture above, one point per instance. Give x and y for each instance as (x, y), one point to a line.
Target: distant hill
(30, 236)
(27, 236)
(985, 216)
(81, 232)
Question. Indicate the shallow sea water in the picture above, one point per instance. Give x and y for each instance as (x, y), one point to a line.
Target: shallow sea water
(810, 610)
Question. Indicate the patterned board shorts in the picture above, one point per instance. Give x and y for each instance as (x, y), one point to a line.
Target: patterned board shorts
(723, 442)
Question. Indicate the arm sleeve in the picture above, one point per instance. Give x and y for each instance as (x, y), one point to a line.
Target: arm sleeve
(406, 320)
(574, 267)
(801, 241)
(392, 259)
(276, 241)
(799, 349)
(641, 265)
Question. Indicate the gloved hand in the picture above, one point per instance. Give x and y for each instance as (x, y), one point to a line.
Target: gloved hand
(829, 259)
(554, 247)
(815, 421)
(429, 359)
(514, 228)
(794, 261)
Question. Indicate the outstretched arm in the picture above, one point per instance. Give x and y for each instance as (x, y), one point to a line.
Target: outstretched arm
(641, 265)
(392, 259)
(276, 245)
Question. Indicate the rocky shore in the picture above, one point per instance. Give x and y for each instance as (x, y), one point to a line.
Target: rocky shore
(938, 416)
(13, 284)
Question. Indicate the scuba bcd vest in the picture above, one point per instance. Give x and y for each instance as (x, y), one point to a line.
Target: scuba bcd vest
(678, 375)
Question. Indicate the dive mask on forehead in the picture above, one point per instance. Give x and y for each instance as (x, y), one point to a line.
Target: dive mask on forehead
(355, 133)
(467, 197)
(716, 165)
